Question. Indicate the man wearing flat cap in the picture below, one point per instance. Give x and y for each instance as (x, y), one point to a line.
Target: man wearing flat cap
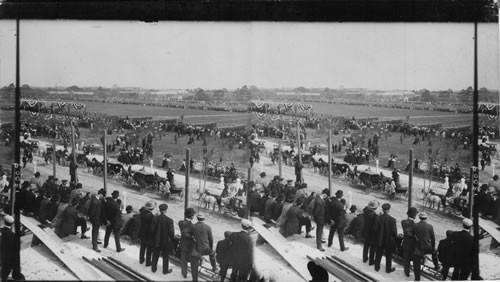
(9, 254)
(370, 232)
(409, 240)
(387, 235)
(145, 233)
(426, 244)
(318, 211)
(114, 220)
(241, 252)
(203, 245)
(163, 233)
(337, 219)
(462, 251)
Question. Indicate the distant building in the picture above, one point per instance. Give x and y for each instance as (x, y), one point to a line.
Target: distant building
(290, 93)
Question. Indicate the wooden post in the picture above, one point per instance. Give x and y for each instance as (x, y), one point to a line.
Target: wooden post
(73, 150)
(280, 158)
(410, 180)
(299, 151)
(54, 157)
(186, 192)
(247, 192)
(330, 161)
(105, 161)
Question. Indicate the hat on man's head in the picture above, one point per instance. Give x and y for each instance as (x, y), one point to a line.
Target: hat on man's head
(189, 213)
(326, 192)
(246, 224)
(373, 204)
(8, 219)
(251, 184)
(200, 216)
(79, 185)
(422, 215)
(262, 174)
(150, 205)
(65, 181)
(386, 206)
(281, 178)
(467, 223)
(115, 193)
(303, 185)
(163, 207)
(339, 193)
(281, 197)
(129, 208)
(37, 174)
(289, 180)
(290, 198)
(353, 208)
(102, 192)
(495, 177)
(412, 212)
(276, 177)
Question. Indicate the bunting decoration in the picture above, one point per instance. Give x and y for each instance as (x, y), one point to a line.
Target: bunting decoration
(259, 104)
(78, 106)
(48, 117)
(260, 115)
(274, 117)
(488, 109)
(34, 114)
(61, 105)
(31, 103)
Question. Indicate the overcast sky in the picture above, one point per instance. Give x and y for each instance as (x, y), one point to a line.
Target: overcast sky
(230, 55)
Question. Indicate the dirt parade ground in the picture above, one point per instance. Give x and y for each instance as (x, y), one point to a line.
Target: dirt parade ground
(268, 262)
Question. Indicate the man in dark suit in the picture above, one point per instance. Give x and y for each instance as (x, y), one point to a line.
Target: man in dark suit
(426, 244)
(163, 240)
(387, 235)
(114, 219)
(186, 244)
(318, 211)
(69, 222)
(445, 254)
(462, 251)
(409, 240)
(9, 254)
(222, 255)
(146, 232)
(94, 213)
(241, 252)
(370, 232)
(254, 200)
(337, 220)
(203, 245)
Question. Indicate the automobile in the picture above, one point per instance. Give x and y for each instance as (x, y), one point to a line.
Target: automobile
(372, 180)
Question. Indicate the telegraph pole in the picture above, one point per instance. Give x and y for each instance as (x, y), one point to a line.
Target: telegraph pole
(105, 161)
(410, 180)
(299, 151)
(330, 161)
(74, 151)
(280, 158)
(186, 193)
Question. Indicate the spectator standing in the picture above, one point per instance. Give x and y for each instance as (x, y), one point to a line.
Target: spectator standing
(146, 233)
(370, 232)
(318, 211)
(114, 218)
(462, 251)
(37, 180)
(426, 243)
(94, 213)
(203, 245)
(387, 235)
(222, 255)
(337, 220)
(163, 239)
(241, 252)
(9, 254)
(409, 239)
(444, 254)
(186, 241)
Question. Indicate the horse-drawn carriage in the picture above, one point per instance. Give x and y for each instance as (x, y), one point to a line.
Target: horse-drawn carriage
(339, 168)
(373, 181)
(152, 180)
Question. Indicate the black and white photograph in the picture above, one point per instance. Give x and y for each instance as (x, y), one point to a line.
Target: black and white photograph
(249, 151)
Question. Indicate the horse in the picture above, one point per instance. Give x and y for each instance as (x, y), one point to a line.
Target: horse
(432, 200)
(208, 200)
